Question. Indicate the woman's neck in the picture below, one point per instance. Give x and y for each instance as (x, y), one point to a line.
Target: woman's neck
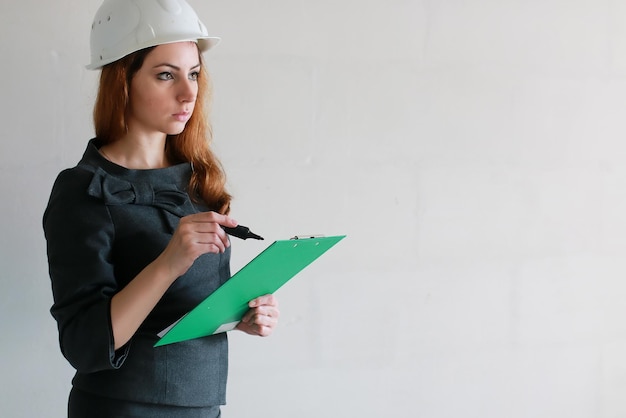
(137, 153)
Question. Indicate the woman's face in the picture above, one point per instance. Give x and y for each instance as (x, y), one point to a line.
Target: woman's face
(163, 92)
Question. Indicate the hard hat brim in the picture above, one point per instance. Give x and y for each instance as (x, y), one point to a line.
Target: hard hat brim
(204, 44)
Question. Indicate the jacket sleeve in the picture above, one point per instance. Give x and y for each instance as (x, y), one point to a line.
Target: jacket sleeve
(79, 234)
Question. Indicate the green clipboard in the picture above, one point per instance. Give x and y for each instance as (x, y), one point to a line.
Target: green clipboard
(266, 273)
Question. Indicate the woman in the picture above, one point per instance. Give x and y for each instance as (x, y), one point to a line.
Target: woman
(134, 231)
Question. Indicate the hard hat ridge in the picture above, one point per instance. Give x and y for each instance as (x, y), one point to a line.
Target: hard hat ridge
(121, 27)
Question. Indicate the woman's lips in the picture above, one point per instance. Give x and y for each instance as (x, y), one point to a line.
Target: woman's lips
(182, 116)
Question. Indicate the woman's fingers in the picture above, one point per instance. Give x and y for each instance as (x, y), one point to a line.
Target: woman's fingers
(262, 317)
(205, 229)
(269, 300)
(196, 234)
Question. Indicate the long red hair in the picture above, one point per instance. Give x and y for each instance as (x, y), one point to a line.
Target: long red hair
(208, 180)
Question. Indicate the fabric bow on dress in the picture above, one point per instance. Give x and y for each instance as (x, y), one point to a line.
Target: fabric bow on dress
(115, 191)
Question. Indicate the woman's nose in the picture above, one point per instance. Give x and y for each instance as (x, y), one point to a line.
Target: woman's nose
(188, 90)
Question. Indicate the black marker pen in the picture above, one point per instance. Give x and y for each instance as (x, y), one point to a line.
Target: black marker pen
(241, 231)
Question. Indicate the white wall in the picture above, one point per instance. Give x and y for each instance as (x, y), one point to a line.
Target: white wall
(473, 151)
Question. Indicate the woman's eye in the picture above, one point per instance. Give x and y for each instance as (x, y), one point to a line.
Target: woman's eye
(165, 76)
(194, 76)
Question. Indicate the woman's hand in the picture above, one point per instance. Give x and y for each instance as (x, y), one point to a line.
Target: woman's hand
(196, 234)
(262, 317)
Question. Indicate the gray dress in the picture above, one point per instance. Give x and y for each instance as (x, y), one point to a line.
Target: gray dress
(103, 224)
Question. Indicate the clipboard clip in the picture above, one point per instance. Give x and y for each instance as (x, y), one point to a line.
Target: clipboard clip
(306, 236)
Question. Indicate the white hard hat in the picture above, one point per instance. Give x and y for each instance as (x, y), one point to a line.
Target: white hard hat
(125, 26)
